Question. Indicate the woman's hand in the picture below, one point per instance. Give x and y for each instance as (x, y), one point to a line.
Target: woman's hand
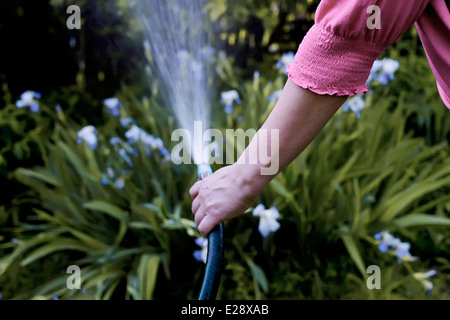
(298, 117)
(222, 196)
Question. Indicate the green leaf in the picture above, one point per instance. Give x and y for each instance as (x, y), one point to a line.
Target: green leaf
(147, 272)
(395, 204)
(53, 246)
(279, 188)
(259, 275)
(39, 174)
(108, 209)
(352, 249)
(421, 220)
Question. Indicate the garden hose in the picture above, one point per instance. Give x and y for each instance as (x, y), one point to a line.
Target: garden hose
(214, 260)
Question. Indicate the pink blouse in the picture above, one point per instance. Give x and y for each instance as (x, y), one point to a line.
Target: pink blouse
(338, 52)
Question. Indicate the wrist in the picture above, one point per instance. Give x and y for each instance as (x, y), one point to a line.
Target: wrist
(250, 179)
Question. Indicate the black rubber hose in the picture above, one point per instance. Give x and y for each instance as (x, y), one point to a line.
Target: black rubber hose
(214, 263)
(214, 259)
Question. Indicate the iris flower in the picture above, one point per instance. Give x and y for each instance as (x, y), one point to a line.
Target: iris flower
(228, 98)
(202, 254)
(356, 104)
(286, 59)
(27, 99)
(113, 106)
(89, 135)
(267, 219)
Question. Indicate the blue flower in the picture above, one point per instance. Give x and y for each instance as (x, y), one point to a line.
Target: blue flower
(202, 254)
(89, 135)
(115, 141)
(134, 134)
(378, 236)
(402, 249)
(286, 59)
(228, 98)
(104, 182)
(389, 67)
(383, 247)
(1, 296)
(14, 240)
(148, 140)
(356, 104)
(113, 106)
(27, 99)
(124, 155)
(126, 121)
(383, 71)
(55, 297)
(72, 42)
(165, 153)
(394, 245)
(376, 67)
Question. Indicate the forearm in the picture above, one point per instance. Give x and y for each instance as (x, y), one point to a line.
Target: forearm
(295, 121)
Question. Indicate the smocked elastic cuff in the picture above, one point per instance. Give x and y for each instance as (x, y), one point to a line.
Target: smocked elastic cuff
(333, 65)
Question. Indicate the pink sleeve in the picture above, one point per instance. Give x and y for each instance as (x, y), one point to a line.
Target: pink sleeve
(337, 53)
(434, 30)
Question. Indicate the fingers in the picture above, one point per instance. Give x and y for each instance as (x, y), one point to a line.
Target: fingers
(194, 190)
(207, 224)
(204, 221)
(199, 216)
(196, 205)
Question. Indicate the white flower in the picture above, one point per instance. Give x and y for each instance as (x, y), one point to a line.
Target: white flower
(268, 219)
(27, 99)
(356, 104)
(201, 255)
(88, 134)
(112, 106)
(423, 278)
(120, 183)
(228, 97)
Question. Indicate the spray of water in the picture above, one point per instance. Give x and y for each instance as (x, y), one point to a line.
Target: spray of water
(178, 39)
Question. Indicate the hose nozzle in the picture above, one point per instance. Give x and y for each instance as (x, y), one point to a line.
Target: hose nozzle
(204, 170)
